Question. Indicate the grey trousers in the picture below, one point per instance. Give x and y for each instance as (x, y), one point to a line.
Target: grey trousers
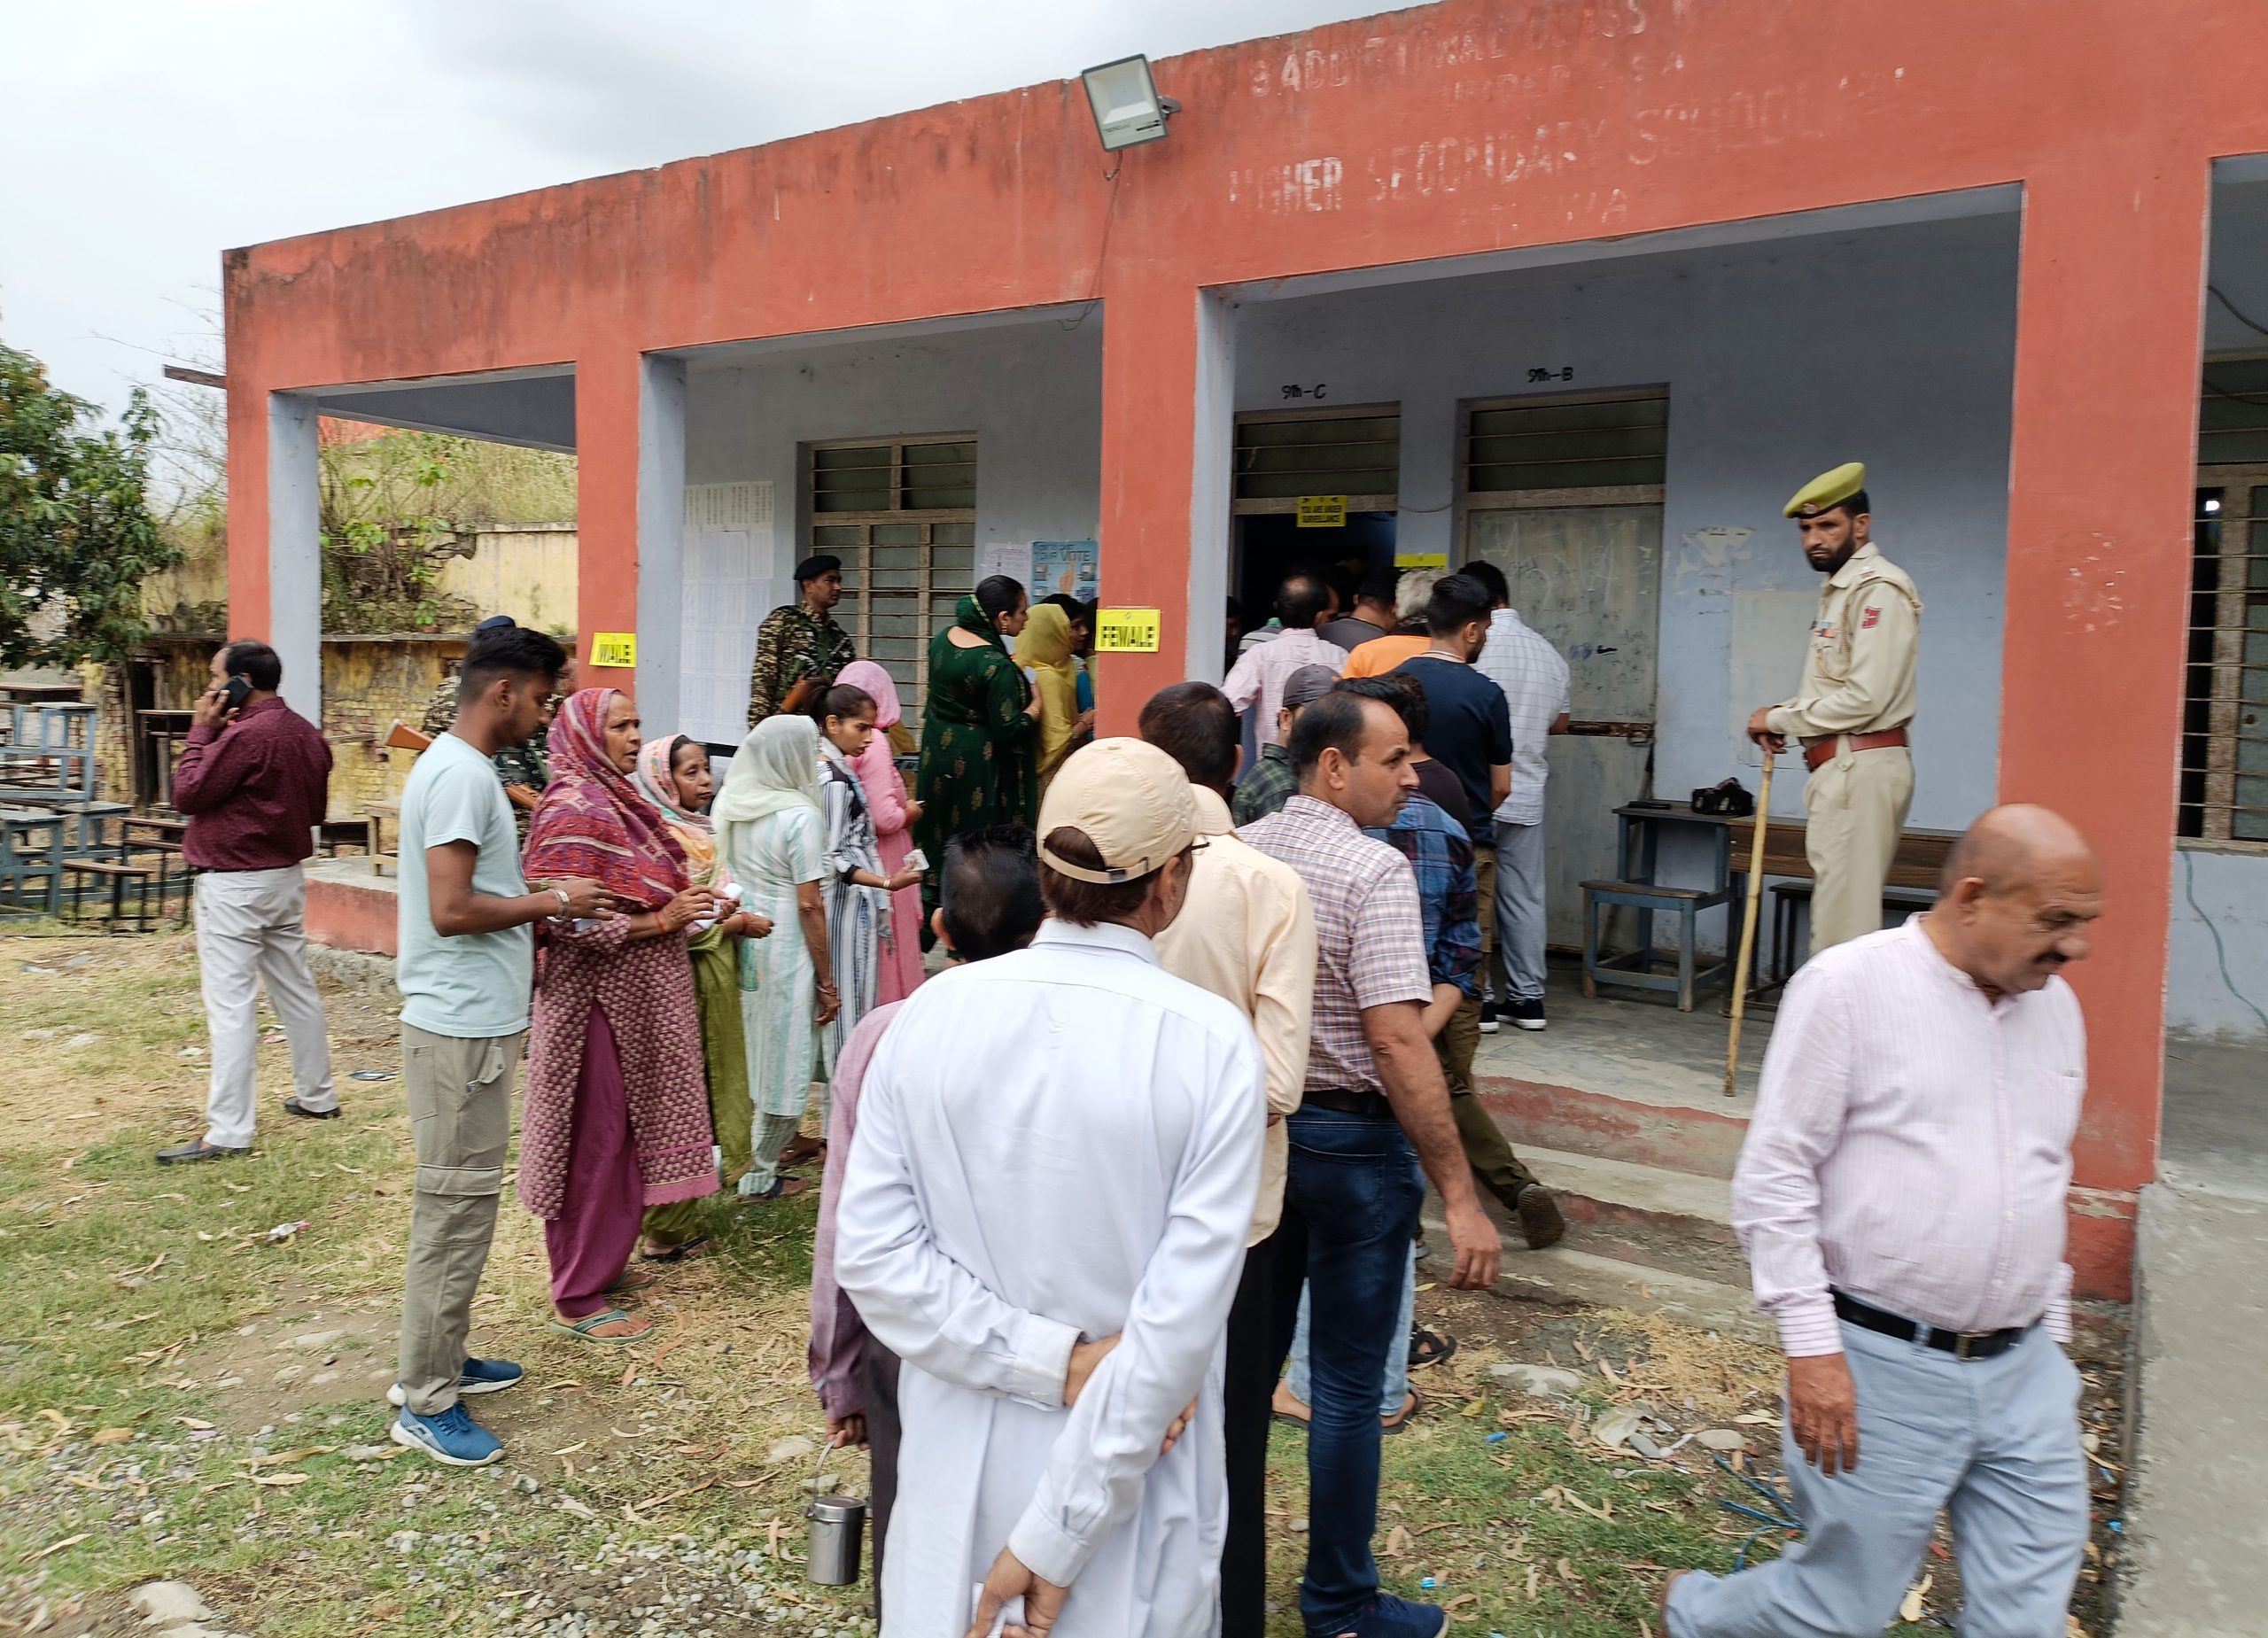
(1995, 1442)
(251, 931)
(459, 1092)
(1519, 910)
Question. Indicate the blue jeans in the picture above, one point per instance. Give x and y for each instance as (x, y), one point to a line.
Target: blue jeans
(1397, 1362)
(1352, 1196)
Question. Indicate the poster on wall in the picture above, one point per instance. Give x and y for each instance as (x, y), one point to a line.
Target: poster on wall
(1012, 558)
(1073, 566)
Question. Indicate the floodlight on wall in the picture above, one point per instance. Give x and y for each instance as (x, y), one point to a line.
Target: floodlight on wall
(1126, 107)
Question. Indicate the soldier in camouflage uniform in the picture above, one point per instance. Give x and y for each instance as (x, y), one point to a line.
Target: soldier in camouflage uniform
(798, 641)
(525, 769)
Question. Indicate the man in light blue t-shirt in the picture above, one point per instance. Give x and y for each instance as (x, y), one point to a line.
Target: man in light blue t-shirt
(466, 958)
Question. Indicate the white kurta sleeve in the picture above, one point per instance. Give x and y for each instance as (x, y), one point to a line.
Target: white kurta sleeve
(1180, 1310)
(923, 1306)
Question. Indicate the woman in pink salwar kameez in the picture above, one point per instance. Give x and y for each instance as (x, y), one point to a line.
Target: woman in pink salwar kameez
(894, 813)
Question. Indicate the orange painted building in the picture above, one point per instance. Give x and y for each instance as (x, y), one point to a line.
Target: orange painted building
(1711, 249)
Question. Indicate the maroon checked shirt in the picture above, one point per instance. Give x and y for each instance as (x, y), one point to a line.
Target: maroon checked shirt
(254, 791)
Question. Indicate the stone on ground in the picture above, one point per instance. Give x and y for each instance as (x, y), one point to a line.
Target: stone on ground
(169, 1603)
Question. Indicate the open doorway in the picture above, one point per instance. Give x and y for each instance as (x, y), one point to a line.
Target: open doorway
(1344, 464)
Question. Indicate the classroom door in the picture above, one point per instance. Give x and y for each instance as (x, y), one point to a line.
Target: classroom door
(1587, 579)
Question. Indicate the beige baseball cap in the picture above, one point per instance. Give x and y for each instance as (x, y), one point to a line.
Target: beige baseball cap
(1130, 799)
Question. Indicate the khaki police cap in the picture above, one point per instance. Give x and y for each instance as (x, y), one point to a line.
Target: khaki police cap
(1828, 489)
(1130, 799)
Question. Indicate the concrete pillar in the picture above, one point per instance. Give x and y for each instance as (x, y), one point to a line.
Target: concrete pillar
(661, 540)
(1212, 475)
(608, 388)
(1166, 391)
(292, 623)
(2101, 469)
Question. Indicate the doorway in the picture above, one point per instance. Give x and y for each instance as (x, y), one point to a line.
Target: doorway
(1565, 494)
(1349, 457)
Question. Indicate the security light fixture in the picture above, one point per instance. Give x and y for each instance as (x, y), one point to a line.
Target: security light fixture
(1126, 107)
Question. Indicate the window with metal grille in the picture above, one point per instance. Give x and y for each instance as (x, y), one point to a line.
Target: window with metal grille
(2224, 716)
(1354, 452)
(1567, 448)
(901, 514)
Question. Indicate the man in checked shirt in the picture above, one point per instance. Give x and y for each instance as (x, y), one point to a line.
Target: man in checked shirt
(1900, 1197)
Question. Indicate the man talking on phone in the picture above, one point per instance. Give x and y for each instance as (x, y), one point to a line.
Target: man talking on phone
(254, 781)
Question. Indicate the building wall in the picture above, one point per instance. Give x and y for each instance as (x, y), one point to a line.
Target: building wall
(1893, 346)
(366, 684)
(2232, 890)
(528, 570)
(1031, 393)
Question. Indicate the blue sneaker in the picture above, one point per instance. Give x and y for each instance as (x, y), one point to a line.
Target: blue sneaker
(480, 1376)
(452, 1437)
(1388, 1617)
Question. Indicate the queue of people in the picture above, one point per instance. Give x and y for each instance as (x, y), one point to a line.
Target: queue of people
(1160, 1125)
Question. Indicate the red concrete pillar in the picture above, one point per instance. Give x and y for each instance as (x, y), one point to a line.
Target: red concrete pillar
(607, 386)
(2100, 473)
(1159, 384)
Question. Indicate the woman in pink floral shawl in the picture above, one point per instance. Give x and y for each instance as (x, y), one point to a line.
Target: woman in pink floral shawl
(894, 813)
(616, 1116)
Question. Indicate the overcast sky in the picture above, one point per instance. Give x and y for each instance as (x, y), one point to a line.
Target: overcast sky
(143, 137)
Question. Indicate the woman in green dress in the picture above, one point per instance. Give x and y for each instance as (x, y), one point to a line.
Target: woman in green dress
(980, 730)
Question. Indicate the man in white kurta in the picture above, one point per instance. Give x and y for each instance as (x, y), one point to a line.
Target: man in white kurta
(1060, 1147)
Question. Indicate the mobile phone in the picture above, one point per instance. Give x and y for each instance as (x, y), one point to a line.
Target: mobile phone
(235, 692)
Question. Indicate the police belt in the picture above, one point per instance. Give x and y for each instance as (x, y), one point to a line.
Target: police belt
(1818, 753)
(1960, 1344)
(1373, 1105)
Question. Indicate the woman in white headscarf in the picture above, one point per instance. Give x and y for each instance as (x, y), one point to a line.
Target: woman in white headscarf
(773, 839)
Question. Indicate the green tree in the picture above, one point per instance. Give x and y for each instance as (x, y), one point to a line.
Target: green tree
(76, 533)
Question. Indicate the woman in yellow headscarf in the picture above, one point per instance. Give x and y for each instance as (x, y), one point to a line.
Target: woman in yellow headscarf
(1043, 650)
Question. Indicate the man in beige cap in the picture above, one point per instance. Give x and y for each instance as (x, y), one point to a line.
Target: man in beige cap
(1853, 709)
(1045, 1217)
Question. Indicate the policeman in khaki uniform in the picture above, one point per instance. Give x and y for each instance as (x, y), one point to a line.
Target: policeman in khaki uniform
(1850, 714)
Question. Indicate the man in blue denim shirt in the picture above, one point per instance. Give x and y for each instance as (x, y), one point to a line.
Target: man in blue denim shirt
(1446, 867)
(1374, 1090)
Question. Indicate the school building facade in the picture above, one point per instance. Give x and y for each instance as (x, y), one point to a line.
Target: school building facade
(1587, 287)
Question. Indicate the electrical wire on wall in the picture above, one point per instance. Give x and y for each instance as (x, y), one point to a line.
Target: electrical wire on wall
(1102, 250)
(2220, 950)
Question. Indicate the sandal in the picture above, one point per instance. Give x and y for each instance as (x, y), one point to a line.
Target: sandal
(684, 1251)
(1284, 1408)
(630, 1281)
(1412, 1410)
(587, 1327)
(1429, 1347)
(801, 1148)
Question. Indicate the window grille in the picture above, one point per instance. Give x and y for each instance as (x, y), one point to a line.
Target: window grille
(901, 514)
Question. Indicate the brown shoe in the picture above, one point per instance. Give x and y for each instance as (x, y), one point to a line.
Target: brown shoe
(1540, 1218)
(799, 1149)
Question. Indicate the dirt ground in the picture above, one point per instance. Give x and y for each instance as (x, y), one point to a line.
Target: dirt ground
(178, 1397)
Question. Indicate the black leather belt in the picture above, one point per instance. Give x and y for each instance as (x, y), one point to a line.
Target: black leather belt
(1371, 1104)
(1960, 1344)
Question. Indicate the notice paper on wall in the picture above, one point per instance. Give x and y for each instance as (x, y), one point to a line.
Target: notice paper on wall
(1012, 558)
(1126, 630)
(728, 586)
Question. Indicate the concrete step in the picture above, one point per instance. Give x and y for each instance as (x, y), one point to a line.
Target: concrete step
(1698, 1140)
(1608, 1194)
(1566, 1275)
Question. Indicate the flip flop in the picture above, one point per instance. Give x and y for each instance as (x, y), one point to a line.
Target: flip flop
(589, 1323)
(782, 1188)
(631, 1281)
(685, 1251)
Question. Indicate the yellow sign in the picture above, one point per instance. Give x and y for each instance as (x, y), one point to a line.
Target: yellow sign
(1322, 511)
(614, 649)
(1421, 560)
(1126, 630)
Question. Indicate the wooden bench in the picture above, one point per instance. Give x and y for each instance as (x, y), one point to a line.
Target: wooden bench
(119, 875)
